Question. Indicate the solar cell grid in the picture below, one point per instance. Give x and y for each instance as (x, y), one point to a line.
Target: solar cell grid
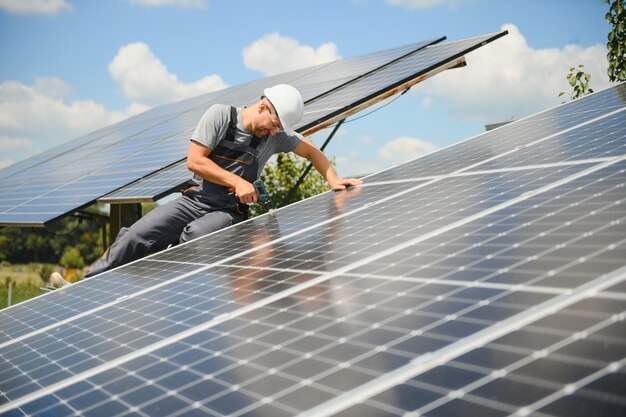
(171, 124)
(418, 211)
(494, 144)
(25, 318)
(445, 308)
(60, 195)
(492, 291)
(540, 237)
(152, 187)
(599, 140)
(140, 321)
(373, 194)
(533, 369)
(346, 69)
(235, 352)
(131, 280)
(57, 159)
(372, 85)
(26, 170)
(312, 82)
(241, 361)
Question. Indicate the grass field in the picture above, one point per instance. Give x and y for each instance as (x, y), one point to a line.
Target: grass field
(26, 279)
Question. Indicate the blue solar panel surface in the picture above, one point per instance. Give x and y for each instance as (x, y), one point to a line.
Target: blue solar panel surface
(368, 85)
(492, 288)
(74, 176)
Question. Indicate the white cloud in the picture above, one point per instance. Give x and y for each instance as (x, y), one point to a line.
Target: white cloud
(355, 163)
(38, 117)
(404, 149)
(27, 7)
(9, 143)
(507, 79)
(145, 80)
(5, 162)
(16, 148)
(427, 102)
(424, 4)
(275, 54)
(175, 3)
(39, 110)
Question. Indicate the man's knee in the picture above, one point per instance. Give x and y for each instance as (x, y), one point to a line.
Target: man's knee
(142, 238)
(209, 223)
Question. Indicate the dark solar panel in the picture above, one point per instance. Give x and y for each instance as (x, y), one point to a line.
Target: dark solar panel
(153, 187)
(74, 176)
(494, 291)
(327, 97)
(550, 125)
(496, 288)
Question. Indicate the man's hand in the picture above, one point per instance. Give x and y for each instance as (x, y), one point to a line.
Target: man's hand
(343, 183)
(245, 192)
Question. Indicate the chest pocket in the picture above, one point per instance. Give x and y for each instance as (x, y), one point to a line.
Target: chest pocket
(233, 151)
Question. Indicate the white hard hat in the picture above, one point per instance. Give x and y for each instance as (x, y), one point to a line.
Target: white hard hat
(288, 104)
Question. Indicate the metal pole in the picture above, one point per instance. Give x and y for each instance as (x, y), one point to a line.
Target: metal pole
(308, 168)
(10, 290)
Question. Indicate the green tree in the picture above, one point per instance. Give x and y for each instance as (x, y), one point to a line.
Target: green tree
(4, 246)
(616, 44)
(71, 258)
(47, 245)
(281, 175)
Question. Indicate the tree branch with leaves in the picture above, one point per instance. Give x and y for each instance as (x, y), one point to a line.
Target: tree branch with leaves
(579, 80)
(616, 45)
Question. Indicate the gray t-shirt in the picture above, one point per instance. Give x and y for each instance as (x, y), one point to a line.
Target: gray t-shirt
(213, 126)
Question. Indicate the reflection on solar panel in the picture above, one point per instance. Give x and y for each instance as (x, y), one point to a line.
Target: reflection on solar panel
(74, 176)
(485, 279)
(154, 186)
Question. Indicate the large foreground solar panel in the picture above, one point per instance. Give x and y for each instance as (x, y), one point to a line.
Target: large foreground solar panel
(69, 178)
(495, 288)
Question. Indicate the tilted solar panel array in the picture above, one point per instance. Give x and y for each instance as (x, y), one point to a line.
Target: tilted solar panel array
(488, 278)
(340, 101)
(74, 176)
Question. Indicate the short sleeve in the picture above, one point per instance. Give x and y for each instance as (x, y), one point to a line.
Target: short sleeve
(212, 126)
(288, 143)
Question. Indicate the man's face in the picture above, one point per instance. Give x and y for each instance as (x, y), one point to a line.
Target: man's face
(268, 123)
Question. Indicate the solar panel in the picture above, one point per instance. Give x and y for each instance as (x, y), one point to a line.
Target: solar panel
(153, 187)
(72, 177)
(403, 66)
(494, 288)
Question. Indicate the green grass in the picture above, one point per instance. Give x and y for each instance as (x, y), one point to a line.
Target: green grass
(26, 281)
(20, 293)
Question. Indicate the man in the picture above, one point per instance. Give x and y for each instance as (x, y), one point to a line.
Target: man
(228, 151)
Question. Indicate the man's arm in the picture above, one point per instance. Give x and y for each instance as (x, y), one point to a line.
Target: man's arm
(199, 163)
(307, 150)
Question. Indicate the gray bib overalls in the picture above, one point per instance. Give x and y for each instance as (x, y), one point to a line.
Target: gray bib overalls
(199, 211)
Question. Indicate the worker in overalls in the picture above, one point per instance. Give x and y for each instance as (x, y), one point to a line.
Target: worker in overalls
(228, 151)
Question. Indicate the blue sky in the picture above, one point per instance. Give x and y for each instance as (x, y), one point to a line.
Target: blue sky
(68, 67)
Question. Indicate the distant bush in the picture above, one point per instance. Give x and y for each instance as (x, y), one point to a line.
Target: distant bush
(71, 258)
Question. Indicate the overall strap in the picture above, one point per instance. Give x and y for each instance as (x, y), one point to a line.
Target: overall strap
(232, 128)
